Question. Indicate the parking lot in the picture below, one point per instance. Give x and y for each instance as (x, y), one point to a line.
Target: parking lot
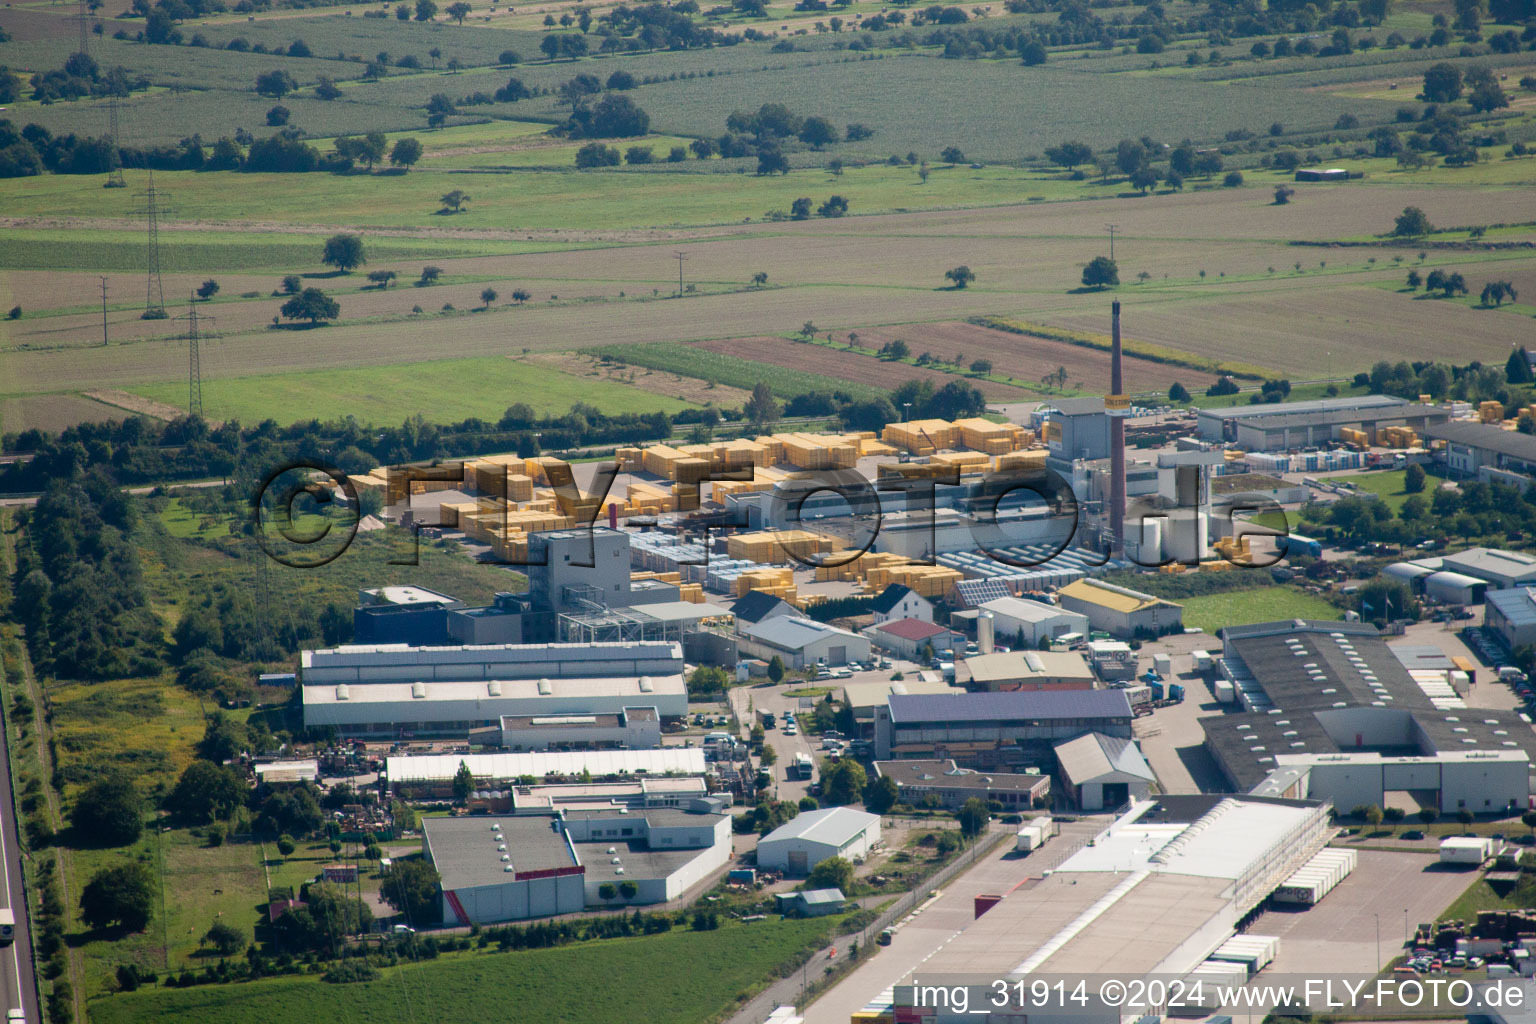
(1387, 894)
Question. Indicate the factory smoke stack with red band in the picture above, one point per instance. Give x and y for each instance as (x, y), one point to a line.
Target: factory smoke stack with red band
(1116, 442)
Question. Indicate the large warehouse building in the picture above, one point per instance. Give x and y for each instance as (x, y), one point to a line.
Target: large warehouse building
(1156, 893)
(400, 663)
(429, 776)
(419, 710)
(1331, 712)
(1268, 428)
(995, 730)
(511, 868)
(1120, 611)
(809, 838)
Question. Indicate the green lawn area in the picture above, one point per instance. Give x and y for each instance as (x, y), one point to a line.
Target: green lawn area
(1211, 612)
(678, 976)
(1387, 485)
(1481, 896)
(443, 390)
(1299, 393)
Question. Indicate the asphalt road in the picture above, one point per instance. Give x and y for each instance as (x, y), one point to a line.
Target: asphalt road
(19, 988)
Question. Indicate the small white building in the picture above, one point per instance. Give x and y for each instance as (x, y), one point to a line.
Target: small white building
(910, 638)
(806, 840)
(802, 642)
(1101, 772)
(1033, 620)
(897, 601)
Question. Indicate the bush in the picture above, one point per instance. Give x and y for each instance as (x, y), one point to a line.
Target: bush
(595, 154)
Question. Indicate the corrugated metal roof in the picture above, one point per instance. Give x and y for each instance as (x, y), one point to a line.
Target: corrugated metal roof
(1116, 599)
(436, 767)
(792, 633)
(1094, 755)
(833, 826)
(1024, 705)
(1518, 605)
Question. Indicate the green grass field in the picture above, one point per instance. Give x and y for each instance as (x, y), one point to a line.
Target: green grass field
(677, 976)
(1211, 612)
(730, 370)
(1387, 485)
(445, 390)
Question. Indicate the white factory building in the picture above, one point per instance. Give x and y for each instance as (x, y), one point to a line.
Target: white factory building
(401, 663)
(632, 728)
(428, 773)
(809, 838)
(452, 709)
(516, 867)
(1159, 892)
(1033, 620)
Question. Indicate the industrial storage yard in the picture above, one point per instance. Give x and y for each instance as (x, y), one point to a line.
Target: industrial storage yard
(765, 513)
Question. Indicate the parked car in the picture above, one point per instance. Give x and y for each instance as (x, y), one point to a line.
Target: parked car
(1413, 834)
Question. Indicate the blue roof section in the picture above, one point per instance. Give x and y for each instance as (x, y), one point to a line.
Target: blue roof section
(1009, 706)
(1517, 604)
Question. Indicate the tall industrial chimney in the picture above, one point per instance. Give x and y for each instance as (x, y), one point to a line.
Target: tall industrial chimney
(1117, 408)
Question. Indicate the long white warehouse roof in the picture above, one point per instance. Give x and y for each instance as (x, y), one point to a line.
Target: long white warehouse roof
(437, 767)
(643, 689)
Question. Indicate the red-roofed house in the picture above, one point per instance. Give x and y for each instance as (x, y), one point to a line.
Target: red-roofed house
(906, 638)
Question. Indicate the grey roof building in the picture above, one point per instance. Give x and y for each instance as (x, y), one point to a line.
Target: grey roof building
(1333, 695)
(1486, 451)
(1296, 424)
(1101, 772)
(1512, 614)
(991, 730)
(802, 642)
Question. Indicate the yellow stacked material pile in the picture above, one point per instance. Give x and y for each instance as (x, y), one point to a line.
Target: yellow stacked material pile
(1034, 458)
(767, 579)
(699, 451)
(449, 512)
(534, 521)
(660, 459)
(1349, 435)
(773, 449)
(964, 462)
(629, 459)
(648, 499)
(857, 568)
(482, 525)
(690, 470)
(921, 437)
(932, 469)
(1232, 547)
(1234, 455)
(1403, 437)
(926, 580)
(693, 593)
(542, 501)
(546, 469)
(772, 546)
(1490, 412)
(740, 453)
(511, 546)
(992, 438)
(871, 447)
(375, 481)
(809, 451)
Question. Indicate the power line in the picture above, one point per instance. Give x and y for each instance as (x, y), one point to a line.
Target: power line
(84, 18)
(679, 257)
(154, 291)
(194, 360)
(1112, 229)
(114, 158)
